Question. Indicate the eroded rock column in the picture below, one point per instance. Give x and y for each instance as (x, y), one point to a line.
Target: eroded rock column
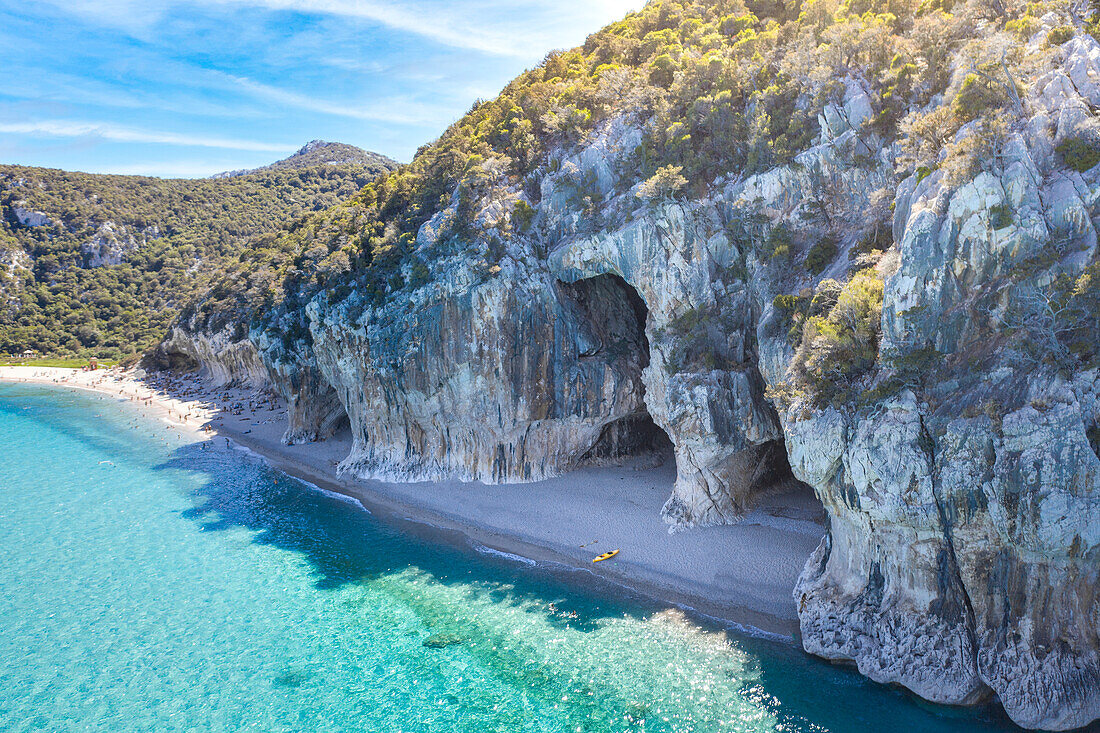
(701, 385)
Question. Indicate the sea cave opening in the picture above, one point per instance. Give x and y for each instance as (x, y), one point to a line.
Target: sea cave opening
(333, 421)
(616, 315)
(176, 362)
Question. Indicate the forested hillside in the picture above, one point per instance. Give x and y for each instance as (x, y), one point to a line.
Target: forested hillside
(101, 264)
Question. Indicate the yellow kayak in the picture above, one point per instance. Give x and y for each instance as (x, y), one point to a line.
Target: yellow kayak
(605, 556)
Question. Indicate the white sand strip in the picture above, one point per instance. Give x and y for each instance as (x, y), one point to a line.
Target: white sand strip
(743, 573)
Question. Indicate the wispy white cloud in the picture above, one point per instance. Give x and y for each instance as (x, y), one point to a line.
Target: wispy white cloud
(519, 29)
(137, 17)
(434, 23)
(401, 111)
(117, 133)
(237, 74)
(60, 89)
(524, 29)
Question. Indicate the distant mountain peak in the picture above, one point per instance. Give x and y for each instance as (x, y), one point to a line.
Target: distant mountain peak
(322, 152)
(314, 145)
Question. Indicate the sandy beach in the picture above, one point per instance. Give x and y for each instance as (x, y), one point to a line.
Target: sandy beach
(743, 574)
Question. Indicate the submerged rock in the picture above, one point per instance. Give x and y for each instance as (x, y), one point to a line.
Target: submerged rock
(442, 641)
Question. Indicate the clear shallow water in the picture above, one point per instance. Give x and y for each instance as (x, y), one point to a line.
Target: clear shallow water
(146, 584)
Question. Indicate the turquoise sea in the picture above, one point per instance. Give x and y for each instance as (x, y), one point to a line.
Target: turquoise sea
(149, 585)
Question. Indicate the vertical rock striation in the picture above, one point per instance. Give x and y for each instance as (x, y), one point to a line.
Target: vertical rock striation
(508, 379)
(224, 356)
(702, 385)
(964, 543)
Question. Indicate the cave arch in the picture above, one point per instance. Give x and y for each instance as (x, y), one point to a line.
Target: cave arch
(315, 411)
(614, 315)
(178, 362)
(726, 442)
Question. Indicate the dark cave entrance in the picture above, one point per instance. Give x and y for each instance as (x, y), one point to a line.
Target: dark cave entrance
(176, 362)
(616, 315)
(333, 420)
(182, 363)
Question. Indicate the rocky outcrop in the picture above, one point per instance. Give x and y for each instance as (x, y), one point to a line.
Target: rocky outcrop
(964, 544)
(314, 410)
(883, 588)
(701, 385)
(111, 243)
(961, 555)
(520, 392)
(13, 262)
(526, 367)
(30, 217)
(224, 357)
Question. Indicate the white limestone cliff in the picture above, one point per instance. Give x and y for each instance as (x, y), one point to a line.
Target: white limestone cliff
(963, 549)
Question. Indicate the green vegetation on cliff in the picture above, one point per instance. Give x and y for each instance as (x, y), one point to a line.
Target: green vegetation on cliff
(745, 170)
(718, 89)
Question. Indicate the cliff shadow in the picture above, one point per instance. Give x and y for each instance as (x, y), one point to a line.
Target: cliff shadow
(346, 544)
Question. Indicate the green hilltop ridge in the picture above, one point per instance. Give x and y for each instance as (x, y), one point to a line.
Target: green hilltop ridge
(99, 265)
(322, 152)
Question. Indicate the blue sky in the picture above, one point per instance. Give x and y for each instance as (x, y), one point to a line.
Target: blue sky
(193, 87)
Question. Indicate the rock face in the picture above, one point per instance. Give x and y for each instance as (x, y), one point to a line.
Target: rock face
(314, 410)
(111, 243)
(519, 393)
(531, 366)
(965, 524)
(30, 217)
(963, 493)
(964, 543)
(225, 357)
(701, 385)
